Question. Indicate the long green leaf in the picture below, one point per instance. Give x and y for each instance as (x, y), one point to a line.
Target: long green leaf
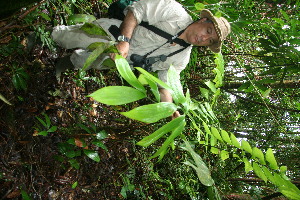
(145, 142)
(258, 154)
(246, 146)
(216, 133)
(151, 113)
(126, 72)
(154, 79)
(174, 82)
(80, 18)
(101, 46)
(163, 149)
(154, 88)
(117, 95)
(271, 159)
(259, 172)
(5, 100)
(234, 141)
(225, 136)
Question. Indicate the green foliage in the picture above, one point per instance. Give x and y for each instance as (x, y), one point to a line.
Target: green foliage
(46, 126)
(75, 147)
(80, 18)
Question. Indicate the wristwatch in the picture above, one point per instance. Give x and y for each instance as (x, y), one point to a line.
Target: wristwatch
(123, 38)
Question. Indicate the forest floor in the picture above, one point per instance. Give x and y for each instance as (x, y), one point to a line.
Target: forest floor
(40, 166)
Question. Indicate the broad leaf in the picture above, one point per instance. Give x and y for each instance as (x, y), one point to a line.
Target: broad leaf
(199, 166)
(259, 172)
(271, 159)
(92, 155)
(211, 86)
(93, 29)
(246, 146)
(225, 136)
(258, 154)
(145, 142)
(151, 113)
(126, 72)
(174, 82)
(216, 133)
(117, 95)
(52, 129)
(234, 141)
(80, 18)
(224, 155)
(204, 92)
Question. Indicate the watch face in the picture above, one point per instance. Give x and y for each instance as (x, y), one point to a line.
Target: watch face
(122, 38)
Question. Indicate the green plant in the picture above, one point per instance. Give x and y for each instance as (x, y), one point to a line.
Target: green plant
(46, 126)
(78, 146)
(201, 116)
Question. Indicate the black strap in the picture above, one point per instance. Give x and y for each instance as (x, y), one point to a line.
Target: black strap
(166, 35)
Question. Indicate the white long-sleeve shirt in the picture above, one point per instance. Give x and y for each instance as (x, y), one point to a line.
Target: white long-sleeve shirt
(168, 15)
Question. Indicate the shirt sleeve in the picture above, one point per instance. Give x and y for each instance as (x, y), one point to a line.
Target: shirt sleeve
(154, 11)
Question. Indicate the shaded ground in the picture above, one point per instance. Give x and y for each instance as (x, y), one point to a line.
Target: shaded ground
(36, 164)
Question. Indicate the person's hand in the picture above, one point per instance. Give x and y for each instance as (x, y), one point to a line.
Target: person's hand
(175, 115)
(123, 48)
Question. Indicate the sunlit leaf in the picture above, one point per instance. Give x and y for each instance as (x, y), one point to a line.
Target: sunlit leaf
(211, 86)
(224, 155)
(101, 135)
(160, 132)
(216, 133)
(234, 141)
(43, 133)
(199, 6)
(117, 95)
(246, 146)
(92, 155)
(259, 172)
(80, 18)
(258, 154)
(225, 136)
(248, 166)
(174, 83)
(126, 72)
(271, 159)
(74, 185)
(214, 150)
(268, 175)
(151, 113)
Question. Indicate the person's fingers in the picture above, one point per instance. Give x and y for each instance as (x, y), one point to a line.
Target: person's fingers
(175, 115)
(112, 56)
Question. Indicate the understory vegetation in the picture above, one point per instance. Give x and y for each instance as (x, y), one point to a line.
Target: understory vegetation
(105, 134)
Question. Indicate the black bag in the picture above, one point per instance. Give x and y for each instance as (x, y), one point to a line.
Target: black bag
(116, 9)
